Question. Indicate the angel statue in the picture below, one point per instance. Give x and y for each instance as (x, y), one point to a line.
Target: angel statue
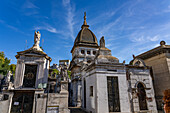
(37, 38)
(64, 72)
(8, 77)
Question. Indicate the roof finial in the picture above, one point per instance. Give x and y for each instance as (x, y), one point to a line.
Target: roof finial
(85, 23)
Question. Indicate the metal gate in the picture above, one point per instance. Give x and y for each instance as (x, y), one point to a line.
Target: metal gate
(22, 102)
(113, 94)
(30, 75)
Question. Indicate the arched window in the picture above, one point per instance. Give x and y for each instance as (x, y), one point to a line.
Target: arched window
(142, 97)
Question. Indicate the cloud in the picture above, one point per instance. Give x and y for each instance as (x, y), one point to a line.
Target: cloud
(143, 38)
(126, 52)
(66, 2)
(155, 38)
(107, 28)
(49, 28)
(29, 5)
(31, 13)
(69, 17)
(167, 10)
(134, 25)
(29, 8)
(1, 21)
(10, 26)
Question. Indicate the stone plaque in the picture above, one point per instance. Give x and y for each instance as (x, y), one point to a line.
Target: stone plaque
(52, 109)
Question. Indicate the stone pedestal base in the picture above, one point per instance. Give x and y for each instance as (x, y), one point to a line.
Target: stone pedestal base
(64, 86)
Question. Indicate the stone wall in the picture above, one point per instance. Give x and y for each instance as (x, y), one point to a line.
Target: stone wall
(98, 103)
(161, 72)
(54, 99)
(142, 76)
(5, 105)
(42, 70)
(91, 100)
(60, 100)
(76, 93)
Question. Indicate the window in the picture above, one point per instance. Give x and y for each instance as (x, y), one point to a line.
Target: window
(88, 52)
(94, 52)
(91, 91)
(113, 94)
(82, 51)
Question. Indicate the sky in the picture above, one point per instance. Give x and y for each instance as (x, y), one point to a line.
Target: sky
(129, 26)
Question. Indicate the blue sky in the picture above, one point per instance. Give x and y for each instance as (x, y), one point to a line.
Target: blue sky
(129, 26)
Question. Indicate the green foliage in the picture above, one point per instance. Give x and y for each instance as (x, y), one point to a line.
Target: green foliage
(52, 71)
(12, 68)
(55, 71)
(4, 64)
(69, 74)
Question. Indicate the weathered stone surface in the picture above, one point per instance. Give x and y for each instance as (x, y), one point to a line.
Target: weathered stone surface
(5, 105)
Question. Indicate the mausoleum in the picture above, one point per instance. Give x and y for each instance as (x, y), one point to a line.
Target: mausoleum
(32, 85)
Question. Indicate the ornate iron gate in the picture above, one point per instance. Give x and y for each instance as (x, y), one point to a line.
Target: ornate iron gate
(30, 75)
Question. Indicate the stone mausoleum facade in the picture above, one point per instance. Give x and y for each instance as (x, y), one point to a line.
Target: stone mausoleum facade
(85, 47)
(159, 59)
(101, 84)
(33, 88)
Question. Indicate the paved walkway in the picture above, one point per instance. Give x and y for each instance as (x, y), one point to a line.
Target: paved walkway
(76, 110)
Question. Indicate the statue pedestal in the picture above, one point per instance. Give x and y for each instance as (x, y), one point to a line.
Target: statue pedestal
(64, 87)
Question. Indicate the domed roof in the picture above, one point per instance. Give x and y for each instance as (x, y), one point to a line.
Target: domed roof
(85, 35)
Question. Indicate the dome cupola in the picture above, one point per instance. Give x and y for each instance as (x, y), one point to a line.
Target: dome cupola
(85, 36)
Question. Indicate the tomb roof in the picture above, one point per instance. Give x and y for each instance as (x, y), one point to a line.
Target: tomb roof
(85, 36)
(163, 48)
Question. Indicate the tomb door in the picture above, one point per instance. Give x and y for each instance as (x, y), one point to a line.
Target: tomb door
(113, 94)
(142, 97)
(30, 76)
(22, 102)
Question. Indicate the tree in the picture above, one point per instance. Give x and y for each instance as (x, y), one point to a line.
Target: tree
(4, 64)
(55, 71)
(69, 74)
(12, 68)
